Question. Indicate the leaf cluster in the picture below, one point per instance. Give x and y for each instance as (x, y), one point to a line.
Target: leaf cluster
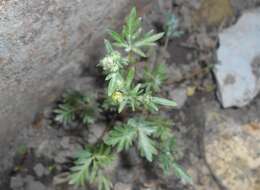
(155, 78)
(90, 165)
(171, 26)
(132, 38)
(76, 107)
(120, 69)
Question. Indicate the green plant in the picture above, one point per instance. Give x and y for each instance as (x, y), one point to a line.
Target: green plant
(76, 106)
(155, 77)
(171, 27)
(90, 166)
(145, 128)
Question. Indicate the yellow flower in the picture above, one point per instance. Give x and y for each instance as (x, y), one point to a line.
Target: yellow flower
(117, 96)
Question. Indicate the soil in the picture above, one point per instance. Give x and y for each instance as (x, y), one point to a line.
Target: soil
(194, 62)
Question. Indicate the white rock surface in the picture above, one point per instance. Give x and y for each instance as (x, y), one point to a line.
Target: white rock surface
(238, 71)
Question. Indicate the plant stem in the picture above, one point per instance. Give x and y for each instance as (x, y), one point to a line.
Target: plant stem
(166, 43)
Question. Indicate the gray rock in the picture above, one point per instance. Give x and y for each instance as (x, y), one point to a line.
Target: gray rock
(16, 182)
(65, 142)
(40, 170)
(35, 185)
(174, 72)
(43, 44)
(95, 132)
(62, 157)
(237, 73)
(61, 179)
(179, 95)
(128, 176)
(122, 186)
(84, 84)
(68, 148)
(28, 179)
(47, 149)
(133, 157)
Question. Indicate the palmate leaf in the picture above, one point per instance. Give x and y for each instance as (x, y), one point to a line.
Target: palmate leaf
(73, 98)
(165, 159)
(122, 137)
(88, 167)
(76, 105)
(146, 145)
(162, 132)
(145, 130)
(80, 172)
(166, 147)
(132, 38)
(64, 113)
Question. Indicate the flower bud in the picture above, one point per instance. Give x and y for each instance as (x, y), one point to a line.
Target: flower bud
(117, 96)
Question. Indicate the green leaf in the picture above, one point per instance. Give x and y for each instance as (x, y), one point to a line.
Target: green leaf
(171, 26)
(89, 165)
(104, 183)
(115, 79)
(121, 137)
(130, 77)
(111, 87)
(145, 144)
(64, 114)
(139, 52)
(117, 37)
(181, 173)
(73, 98)
(162, 126)
(132, 23)
(160, 75)
(108, 46)
(122, 106)
(149, 40)
(164, 102)
(166, 160)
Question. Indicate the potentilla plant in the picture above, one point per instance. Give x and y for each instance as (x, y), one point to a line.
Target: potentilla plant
(142, 126)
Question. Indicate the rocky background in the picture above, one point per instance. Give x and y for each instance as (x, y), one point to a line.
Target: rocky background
(214, 75)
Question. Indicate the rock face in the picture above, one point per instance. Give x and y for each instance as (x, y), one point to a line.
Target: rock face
(232, 151)
(238, 71)
(43, 44)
